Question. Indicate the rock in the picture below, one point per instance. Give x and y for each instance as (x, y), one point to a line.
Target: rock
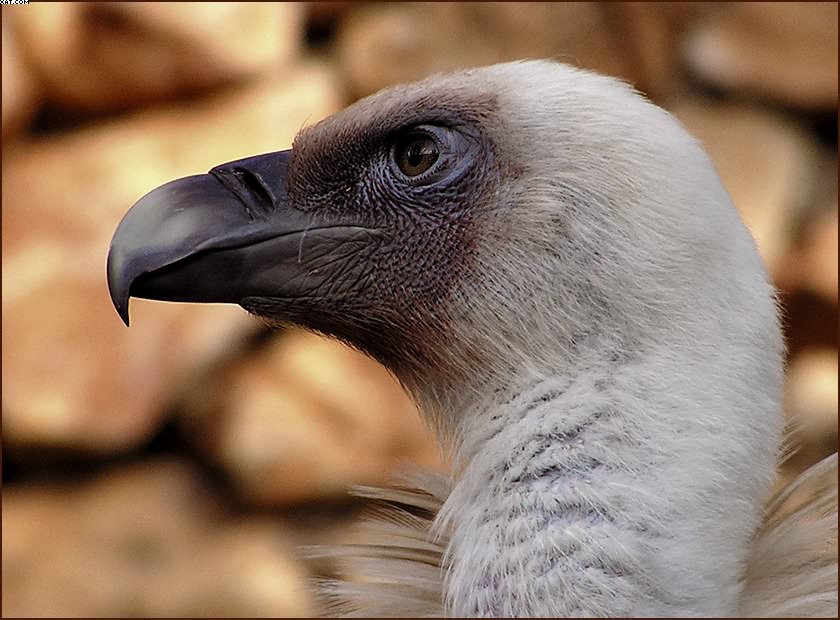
(379, 45)
(256, 575)
(811, 398)
(779, 50)
(811, 265)
(649, 33)
(818, 263)
(321, 15)
(74, 375)
(96, 56)
(146, 540)
(20, 91)
(767, 163)
(383, 44)
(306, 418)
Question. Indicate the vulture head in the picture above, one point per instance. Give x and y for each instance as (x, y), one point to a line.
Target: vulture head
(550, 265)
(465, 228)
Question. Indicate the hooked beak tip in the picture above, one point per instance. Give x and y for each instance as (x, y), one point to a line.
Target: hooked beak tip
(123, 312)
(119, 291)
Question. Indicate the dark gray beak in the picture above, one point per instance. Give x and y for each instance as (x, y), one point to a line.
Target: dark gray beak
(225, 236)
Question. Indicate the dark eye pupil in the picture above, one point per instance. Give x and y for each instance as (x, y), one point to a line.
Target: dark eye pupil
(416, 154)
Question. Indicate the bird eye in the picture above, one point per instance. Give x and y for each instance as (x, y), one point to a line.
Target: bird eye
(416, 153)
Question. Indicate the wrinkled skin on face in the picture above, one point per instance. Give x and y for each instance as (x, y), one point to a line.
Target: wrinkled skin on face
(330, 235)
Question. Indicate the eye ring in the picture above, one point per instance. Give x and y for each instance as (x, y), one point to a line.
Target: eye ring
(416, 154)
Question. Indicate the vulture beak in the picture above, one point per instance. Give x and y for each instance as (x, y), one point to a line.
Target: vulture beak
(221, 237)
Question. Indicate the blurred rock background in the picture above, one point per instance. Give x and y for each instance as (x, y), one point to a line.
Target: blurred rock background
(170, 469)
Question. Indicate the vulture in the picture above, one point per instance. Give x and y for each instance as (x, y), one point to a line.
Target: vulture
(550, 265)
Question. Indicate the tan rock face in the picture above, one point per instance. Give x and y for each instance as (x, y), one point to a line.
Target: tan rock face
(811, 265)
(767, 164)
(106, 55)
(786, 51)
(817, 262)
(811, 394)
(383, 45)
(146, 540)
(379, 45)
(305, 419)
(21, 95)
(73, 375)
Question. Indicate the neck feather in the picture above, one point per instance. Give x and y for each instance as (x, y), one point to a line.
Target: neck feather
(621, 490)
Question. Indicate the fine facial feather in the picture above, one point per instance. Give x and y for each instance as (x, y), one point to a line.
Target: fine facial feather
(573, 302)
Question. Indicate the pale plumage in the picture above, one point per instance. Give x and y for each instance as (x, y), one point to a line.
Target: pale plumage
(550, 265)
(393, 566)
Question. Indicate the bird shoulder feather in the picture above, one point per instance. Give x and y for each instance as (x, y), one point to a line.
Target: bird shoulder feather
(393, 567)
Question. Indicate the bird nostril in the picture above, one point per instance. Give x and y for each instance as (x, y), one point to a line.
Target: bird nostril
(257, 199)
(254, 185)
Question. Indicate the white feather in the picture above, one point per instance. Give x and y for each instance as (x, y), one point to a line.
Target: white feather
(612, 394)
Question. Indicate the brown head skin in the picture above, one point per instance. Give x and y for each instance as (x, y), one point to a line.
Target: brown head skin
(391, 302)
(331, 235)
